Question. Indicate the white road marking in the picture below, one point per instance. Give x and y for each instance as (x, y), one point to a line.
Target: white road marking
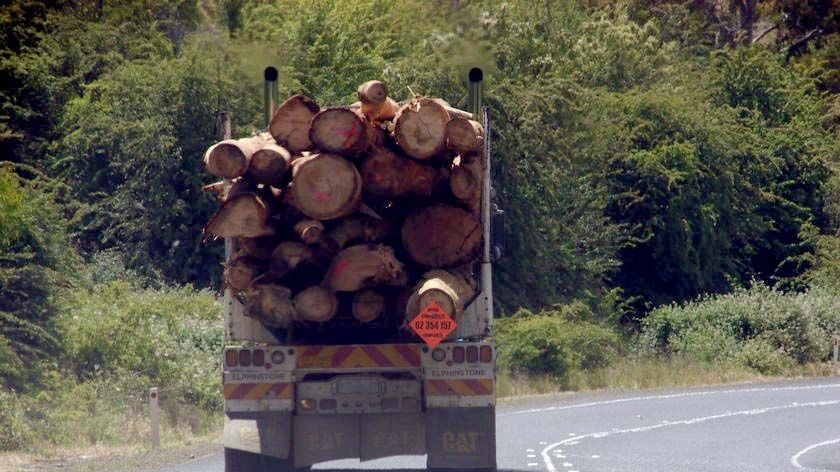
(529, 450)
(551, 468)
(543, 443)
(531, 456)
(533, 464)
(571, 434)
(567, 464)
(595, 456)
(794, 460)
(673, 395)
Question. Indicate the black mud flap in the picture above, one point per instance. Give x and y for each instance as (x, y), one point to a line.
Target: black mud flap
(392, 435)
(269, 434)
(461, 438)
(325, 438)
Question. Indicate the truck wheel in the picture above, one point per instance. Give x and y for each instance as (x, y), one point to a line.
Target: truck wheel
(243, 461)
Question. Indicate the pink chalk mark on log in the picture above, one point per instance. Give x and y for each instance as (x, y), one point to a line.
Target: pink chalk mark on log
(349, 134)
(340, 267)
(320, 196)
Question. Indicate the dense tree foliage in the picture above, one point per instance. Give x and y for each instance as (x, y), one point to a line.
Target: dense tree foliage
(645, 153)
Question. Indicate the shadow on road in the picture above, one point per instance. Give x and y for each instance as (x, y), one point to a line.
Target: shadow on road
(408, 470)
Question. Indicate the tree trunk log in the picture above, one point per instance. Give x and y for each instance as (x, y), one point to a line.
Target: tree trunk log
(316, 305)
(358, 228)
(340, 130)
(362, 266)
(374, 101)
(256, 248)
(465, 181)
(241, 271)
(229, 159)
(387, 175)
(454, 112)
(441, 236)
(368, 305)
(271, 304)
(241, 216)
(464, 136)
(420, 128)
(269, 165)
(291, 121)
(287, 256)
(451, 290)
(325, 186)
(309, 231)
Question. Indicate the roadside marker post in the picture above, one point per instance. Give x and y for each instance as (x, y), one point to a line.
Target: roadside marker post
(836, 358)
(154, 417)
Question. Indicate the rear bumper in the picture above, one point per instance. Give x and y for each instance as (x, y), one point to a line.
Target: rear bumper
(452, 437)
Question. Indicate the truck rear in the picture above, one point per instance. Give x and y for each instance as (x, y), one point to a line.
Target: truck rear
(421, 384)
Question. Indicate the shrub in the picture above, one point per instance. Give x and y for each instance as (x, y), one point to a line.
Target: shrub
(760, 328)
(552, 344)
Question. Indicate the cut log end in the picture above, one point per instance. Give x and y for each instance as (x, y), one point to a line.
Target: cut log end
(226, 160)
(241, 216)
(290, 124)
(269, 165)
(271, 304)
(420, 128)
(441, 236)
(365, 265)
(326, 186)
(464, 136)
(339, 130)
(309, 231)
(316, 305)
(368, 305)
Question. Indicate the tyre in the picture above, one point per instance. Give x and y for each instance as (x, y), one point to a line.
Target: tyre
(243, 461)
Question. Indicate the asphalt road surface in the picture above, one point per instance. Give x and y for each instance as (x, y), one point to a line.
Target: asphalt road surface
(788, 426)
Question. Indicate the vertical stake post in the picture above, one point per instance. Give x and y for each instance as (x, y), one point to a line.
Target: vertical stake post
(270, 92)
(154, 417)
(836, 352)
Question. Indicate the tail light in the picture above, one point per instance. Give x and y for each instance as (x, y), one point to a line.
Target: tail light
(244, 357)
(409, 403)
(472, 354)
(328, 404)
(390, 403)
(258, 357)
(231, 358)
(485, 354)
(278, 357)
(458, 354)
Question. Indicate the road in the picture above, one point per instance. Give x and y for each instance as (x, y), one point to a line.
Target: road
(788, 426)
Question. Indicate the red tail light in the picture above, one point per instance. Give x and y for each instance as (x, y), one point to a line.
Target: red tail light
(230, 358)
(472, 354)
(458, 354)
(485, 354)
(259, 357)
(244, 357)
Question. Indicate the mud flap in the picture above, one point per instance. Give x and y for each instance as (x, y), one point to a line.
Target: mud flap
(325, 438)
(461, 438)
(392, 435)
(269, 434)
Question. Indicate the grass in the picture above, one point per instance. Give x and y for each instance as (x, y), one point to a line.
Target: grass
(635, 374)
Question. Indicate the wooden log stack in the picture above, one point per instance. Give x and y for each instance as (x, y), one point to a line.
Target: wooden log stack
(362, 213)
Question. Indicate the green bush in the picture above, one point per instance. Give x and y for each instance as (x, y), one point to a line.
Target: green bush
(170, 338)
(557, 344)
(760, 328)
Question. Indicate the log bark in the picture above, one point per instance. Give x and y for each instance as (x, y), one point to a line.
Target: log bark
(388, 175)
(441, 236)
(287, 256)
(451, 290)
(454, 112)
(420, 128)
(271, 304)
(316, 305)
(216, 189)
(241, 216)
(339, 130)
(368, 305)
(465, 181)
(325, 186)
(241, 271)
(269, 165)
(365, 265)
(374, 101)
(464, 136)
(230, 158)
(291, 121)
(309, 231)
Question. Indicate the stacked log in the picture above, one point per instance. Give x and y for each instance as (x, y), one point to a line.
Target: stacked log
(364, 213)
